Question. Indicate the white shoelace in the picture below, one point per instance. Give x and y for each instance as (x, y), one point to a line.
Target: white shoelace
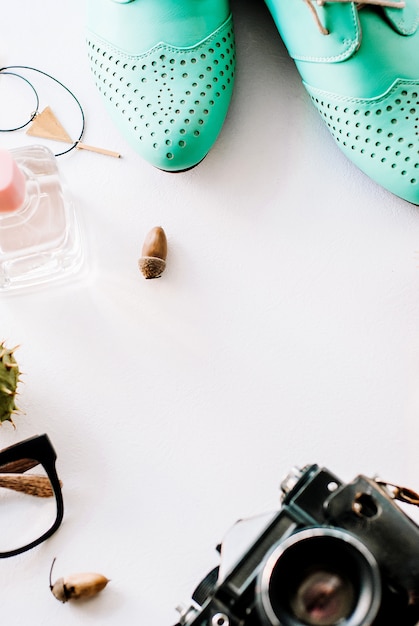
(359, 3)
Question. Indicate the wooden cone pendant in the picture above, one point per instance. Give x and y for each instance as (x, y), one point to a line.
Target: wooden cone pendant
(47, 126)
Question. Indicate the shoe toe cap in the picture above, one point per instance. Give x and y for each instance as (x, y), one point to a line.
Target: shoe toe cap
(170, 103)
(380, 135)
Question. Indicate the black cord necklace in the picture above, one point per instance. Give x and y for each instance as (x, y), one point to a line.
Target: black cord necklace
(10, 71)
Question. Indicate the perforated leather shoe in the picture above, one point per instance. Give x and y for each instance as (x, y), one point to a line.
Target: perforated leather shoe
(359, 63)
(165, 69)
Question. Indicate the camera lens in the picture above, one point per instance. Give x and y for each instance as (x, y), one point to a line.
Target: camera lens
(319, 577)
(323, 598)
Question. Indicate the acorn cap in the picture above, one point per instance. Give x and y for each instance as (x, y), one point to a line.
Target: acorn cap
(151, 266)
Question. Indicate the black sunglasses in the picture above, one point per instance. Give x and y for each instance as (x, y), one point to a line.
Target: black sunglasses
(30, 495)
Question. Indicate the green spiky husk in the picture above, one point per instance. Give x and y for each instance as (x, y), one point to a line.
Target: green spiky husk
(9, 379)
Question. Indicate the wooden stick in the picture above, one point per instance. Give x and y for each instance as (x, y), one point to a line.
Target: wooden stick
(83, 146)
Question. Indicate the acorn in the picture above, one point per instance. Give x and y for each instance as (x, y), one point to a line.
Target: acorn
(76, 586)
(153, 255)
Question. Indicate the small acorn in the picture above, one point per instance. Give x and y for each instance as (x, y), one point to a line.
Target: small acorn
(77, 586)
(153, 255)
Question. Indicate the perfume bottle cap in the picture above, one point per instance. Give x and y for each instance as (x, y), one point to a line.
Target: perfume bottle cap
(12, 183)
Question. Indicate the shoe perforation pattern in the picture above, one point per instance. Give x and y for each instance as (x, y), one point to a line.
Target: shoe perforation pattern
(170, 102)
(380, 135)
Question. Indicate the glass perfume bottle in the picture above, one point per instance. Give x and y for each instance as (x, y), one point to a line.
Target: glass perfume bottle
(40, 237)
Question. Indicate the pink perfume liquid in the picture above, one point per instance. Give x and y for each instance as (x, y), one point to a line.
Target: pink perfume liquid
(39, 235)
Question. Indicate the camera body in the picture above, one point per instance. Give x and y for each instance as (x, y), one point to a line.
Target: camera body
(333, 554)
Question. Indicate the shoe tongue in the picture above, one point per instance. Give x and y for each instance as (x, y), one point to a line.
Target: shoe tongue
(305, 42)
(405, 21)
(303, 38)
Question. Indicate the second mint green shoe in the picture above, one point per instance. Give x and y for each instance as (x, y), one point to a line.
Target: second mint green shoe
(359, 63)
(165, 70)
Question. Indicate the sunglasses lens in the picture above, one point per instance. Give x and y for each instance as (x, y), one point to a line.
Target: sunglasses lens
(28, 507)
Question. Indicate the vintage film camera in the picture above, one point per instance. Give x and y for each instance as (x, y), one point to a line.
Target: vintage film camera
(334, 554)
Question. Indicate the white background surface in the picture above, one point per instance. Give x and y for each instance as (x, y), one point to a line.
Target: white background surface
(284, 331)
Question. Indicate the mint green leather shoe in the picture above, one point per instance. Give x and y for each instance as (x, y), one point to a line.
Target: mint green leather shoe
(359, 63)
(165, 70)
